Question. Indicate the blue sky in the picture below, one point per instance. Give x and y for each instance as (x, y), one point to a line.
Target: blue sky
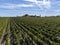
(32, 7)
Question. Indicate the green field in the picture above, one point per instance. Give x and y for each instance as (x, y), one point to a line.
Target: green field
(29, 30)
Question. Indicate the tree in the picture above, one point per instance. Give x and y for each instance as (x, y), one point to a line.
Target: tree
(26, 15)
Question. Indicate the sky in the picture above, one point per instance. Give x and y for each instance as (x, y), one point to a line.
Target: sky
(31, 7)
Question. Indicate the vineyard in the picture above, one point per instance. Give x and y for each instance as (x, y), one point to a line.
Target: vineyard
(29, 30)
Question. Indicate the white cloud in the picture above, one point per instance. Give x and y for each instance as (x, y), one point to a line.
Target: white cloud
(13, 6)
(42, 3)
(31, 0)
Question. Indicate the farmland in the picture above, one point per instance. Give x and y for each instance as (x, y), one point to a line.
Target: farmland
(29, 30)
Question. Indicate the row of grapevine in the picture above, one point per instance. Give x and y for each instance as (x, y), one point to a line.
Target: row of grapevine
(43, 33)
(29, 31)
